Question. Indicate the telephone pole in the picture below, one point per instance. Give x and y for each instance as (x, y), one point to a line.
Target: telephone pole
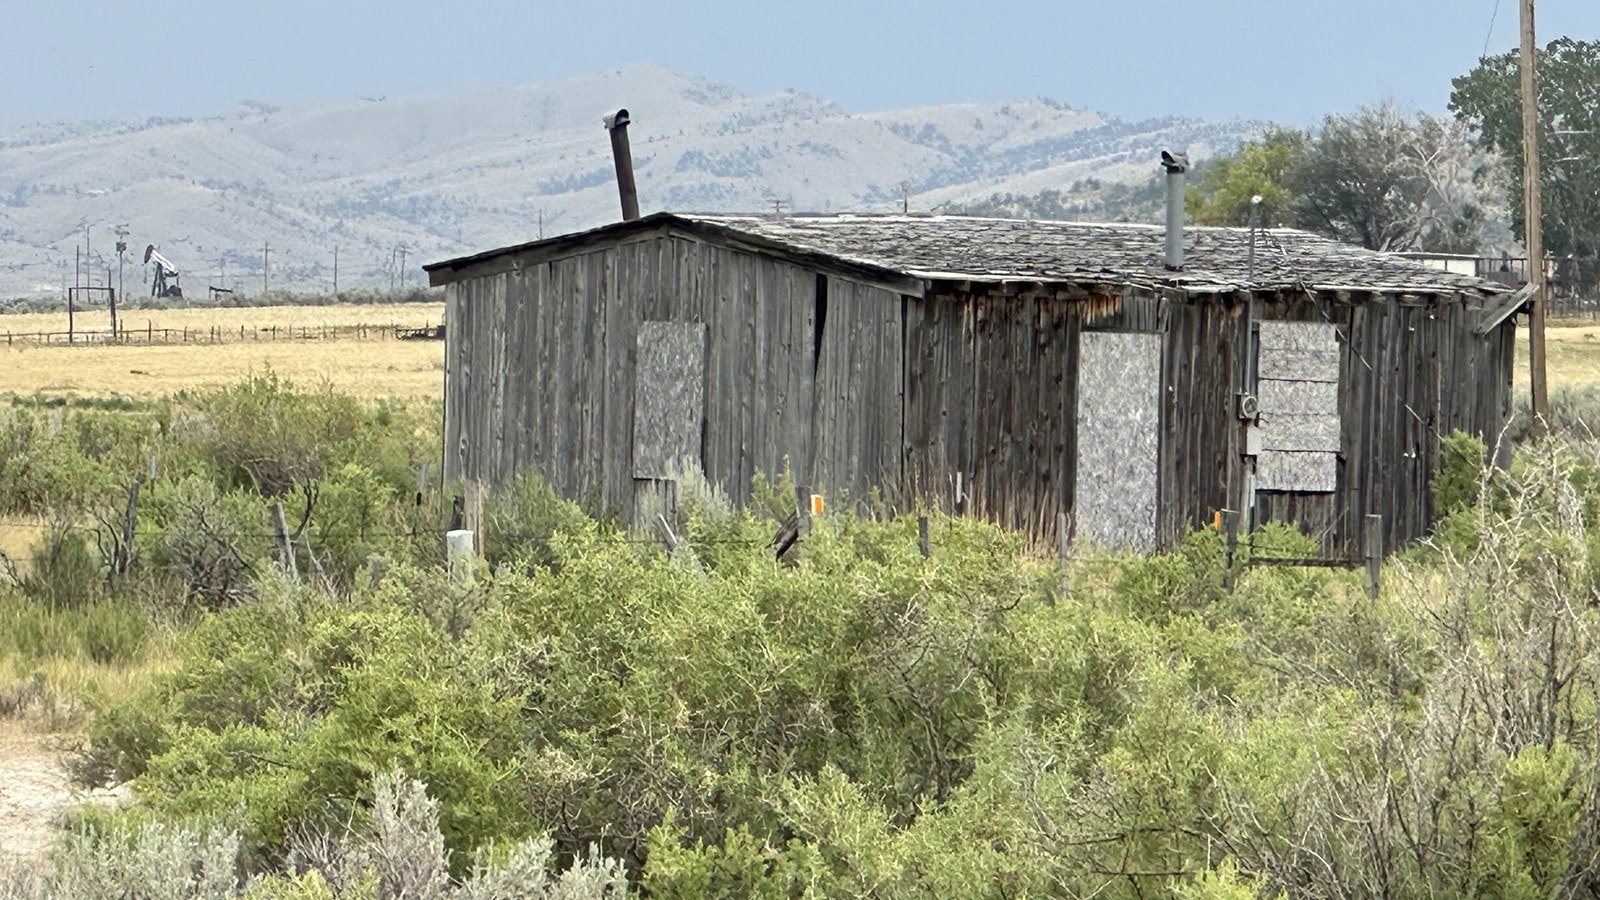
(265, 249)
(335, 270)
(122, 249)
(1533, 222)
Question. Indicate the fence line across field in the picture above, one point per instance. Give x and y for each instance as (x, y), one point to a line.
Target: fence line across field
(221, 334)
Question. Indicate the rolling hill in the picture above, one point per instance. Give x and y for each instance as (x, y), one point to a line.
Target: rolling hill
(453, 174)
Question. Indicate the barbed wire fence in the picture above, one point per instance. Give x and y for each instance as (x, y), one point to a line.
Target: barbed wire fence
(222, 334)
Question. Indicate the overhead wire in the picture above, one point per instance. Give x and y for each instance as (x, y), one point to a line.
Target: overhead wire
(1303, 286)
(1490, 35)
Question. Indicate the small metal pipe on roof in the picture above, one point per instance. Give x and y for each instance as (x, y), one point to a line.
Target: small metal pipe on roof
(617, 124)
(1176, 165)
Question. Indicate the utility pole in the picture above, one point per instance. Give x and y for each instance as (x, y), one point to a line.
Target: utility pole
(1533, 222)
(122, 250)
(403, 250)
(265, 249)
(336, 270)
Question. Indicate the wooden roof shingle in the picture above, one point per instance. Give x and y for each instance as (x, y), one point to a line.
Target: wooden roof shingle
(968, 248)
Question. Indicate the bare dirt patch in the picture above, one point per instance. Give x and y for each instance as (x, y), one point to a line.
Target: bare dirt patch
(36, 792)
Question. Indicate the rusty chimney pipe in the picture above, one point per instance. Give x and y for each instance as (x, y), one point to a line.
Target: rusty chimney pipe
(1176, 165)
(617, 124)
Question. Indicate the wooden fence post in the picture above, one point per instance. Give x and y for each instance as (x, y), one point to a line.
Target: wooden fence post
(474, 512)
(922, 537)
(280, 535)
(122, 557)
(1372, 541)
(668, 539)
(1230, 522)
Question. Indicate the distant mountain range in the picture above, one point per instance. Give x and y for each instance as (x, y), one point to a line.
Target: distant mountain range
(448, 175)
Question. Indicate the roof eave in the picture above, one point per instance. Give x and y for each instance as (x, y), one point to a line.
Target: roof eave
(452, 270)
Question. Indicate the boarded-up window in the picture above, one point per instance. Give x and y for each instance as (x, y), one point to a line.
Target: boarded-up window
(1298, 390)
(668, 398)
(1119, 415)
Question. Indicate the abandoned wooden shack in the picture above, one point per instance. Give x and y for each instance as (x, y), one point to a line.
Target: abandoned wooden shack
(1014, 370)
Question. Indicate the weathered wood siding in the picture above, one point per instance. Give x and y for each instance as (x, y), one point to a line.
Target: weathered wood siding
(1202, 350)
(539, 375)
(1411, 372)
(859, 383)
(994, 384)
(940, 382)
(542, 367)
(990, 400)
(855, 387)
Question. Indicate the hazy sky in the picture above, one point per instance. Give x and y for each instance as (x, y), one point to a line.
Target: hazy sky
(1283, 60)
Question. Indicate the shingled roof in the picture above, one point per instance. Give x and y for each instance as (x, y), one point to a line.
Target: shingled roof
(969, 248)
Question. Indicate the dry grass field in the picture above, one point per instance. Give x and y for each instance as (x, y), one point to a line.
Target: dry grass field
(376, 367)
(382, 367)
(387, 368)
(408, 315)
(1572, 354)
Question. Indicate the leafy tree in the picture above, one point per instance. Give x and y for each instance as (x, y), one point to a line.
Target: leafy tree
(1264, 168)
(1386, 182)
(1489, 100)
(1377, 178)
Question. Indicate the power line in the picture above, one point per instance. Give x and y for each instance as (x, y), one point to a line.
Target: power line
(1488, 37)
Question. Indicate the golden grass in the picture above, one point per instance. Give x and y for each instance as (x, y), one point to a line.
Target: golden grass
(1572, 356)
(52, 680)
(370, 368)
(59, 694)
(408, 315)
(373, 367)
(20, 539)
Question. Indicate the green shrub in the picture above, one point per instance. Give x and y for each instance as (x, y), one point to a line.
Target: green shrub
(68, 572)
(264, 435)
(203, 544)
(1460, 473)
(520, 520)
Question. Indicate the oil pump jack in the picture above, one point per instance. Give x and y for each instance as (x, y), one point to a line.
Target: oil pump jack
(164, 283)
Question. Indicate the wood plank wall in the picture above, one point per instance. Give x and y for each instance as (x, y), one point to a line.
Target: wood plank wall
(859, 376)
(990, 390)
(541, 365)
(1200, 428)
(1411, 373)
(903, 393)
